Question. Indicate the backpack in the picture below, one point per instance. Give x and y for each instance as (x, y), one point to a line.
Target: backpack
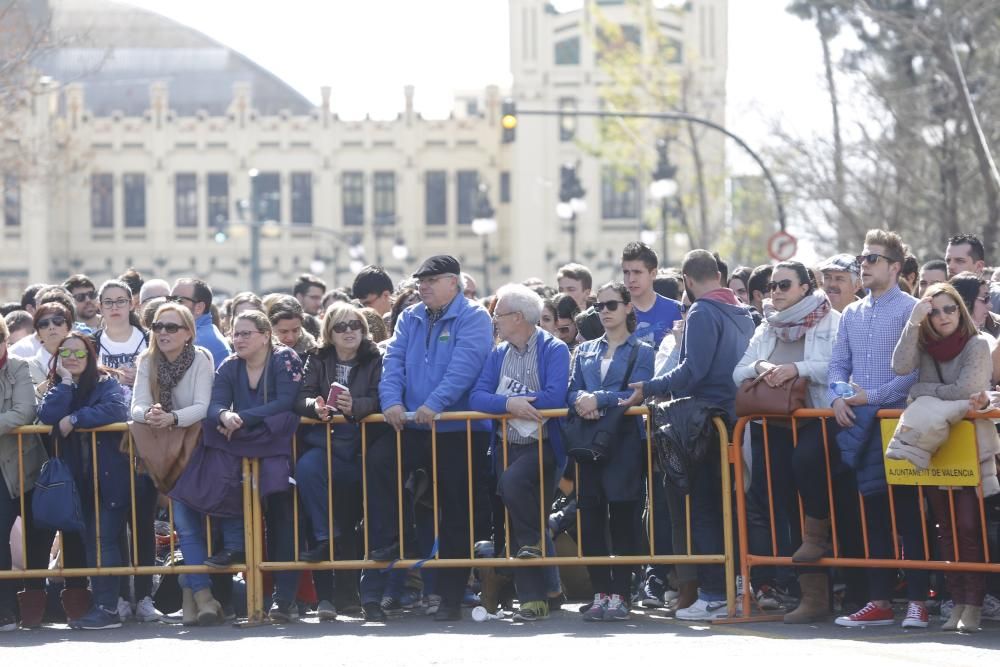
(56, 501)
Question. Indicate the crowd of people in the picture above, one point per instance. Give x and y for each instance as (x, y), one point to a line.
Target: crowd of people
(204, 383)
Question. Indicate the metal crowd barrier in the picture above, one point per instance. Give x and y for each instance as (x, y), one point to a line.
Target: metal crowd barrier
(100, 569)
(749, 560)
(255, 564)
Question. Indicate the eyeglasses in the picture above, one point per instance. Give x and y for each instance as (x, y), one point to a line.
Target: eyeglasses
(783, 285)
(115, 303)
(80, 297)
(66, 353)
(612, 306)
(984, 299)
(237, 335)
(872, 258)
(342, 327)
(948, 310)
(497, 316)
(176, 298)
(55, 321)
(169, 327)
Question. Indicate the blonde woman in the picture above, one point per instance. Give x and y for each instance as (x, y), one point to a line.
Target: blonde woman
(173, 388)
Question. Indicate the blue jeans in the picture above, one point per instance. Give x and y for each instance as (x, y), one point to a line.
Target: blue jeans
(311, 475)
(112, 526)
(520, 487)
(191, 531)
(706, 524)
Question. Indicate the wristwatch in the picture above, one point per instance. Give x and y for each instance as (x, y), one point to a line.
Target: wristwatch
(176, 418)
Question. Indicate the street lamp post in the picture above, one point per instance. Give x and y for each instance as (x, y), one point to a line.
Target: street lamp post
(483, 225)
(571, 202)
(663, 189)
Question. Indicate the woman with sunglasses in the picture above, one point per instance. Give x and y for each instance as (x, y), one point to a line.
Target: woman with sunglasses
(795, 340)
(85, 396)
(348, 357)
(18, 475)
(53, 322)
(255, 388)
(548, 319)
(608, 493)
(942, 342)
(173, 387)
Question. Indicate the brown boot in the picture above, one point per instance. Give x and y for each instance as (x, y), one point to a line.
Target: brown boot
(75, 602)
(815, 603)
(687, 595)
(189, 608)
(815, 541)
(209, 610)
(32, 606)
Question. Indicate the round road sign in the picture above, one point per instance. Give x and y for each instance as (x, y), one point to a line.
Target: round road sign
(782, 246)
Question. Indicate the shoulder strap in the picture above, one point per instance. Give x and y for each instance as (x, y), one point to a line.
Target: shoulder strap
(631, 364)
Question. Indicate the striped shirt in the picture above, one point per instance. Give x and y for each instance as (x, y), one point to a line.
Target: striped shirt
(519, 375)
(869, 331)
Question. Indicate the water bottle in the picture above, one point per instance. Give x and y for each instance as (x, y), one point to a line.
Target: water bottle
(842, 389)
(479, 615)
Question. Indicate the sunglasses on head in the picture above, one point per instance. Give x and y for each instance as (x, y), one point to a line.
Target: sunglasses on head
(947, 310)
(66, 353)
(55, 321)
(782, 285)
(342, 327)
(612, 306)
(169, 327)
(872, 258)
(85, 296)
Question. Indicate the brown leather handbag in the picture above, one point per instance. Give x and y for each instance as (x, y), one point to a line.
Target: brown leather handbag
(757, 398)
(164, 452)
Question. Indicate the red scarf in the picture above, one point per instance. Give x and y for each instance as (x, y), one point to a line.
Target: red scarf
(947, 348)
(3, 360)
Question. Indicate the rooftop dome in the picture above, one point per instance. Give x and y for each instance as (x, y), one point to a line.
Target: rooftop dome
(116, 52)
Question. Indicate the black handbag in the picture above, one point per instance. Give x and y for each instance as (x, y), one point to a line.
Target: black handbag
(590, 440)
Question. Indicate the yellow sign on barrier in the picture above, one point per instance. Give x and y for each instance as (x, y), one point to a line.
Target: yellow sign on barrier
(956, 462)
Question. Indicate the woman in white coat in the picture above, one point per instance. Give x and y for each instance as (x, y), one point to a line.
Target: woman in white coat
(795, 340)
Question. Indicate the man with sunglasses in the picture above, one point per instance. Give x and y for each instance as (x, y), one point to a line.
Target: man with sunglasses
(430, 366)
(84, 294)
(196, 296)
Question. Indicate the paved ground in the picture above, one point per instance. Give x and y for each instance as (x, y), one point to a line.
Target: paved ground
(647, 639)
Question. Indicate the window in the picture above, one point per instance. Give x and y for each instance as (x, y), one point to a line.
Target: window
(267, 196)
(568, 51)
(385, 198)
(436, 198)
(134, 187)
(504, 187)
(11, 201)
(102, 209)
(468, 188)
(353, 195)
(302, 198)
(619, 195)
(218, 200)
(185, 200)
(567, 124)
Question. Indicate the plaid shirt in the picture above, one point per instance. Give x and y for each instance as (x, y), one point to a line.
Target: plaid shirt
(869, 331)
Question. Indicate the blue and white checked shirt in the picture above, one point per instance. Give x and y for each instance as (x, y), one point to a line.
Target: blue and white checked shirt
(868, 333)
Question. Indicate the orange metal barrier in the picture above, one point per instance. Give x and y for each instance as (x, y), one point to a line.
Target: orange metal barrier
(749, 560)
(725, 559)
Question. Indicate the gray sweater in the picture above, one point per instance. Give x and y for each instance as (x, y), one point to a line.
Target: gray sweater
(968, 373)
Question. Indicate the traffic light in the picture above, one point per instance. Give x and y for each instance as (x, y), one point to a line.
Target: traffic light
(508, 120)
(570, 187)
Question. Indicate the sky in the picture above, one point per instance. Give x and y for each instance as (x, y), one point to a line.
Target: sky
(367, 51)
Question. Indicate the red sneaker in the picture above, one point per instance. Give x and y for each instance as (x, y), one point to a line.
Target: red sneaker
(916, 616)
(868, 615)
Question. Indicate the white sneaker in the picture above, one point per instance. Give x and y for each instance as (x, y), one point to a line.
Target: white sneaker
(124, 609)
(703, 610)
(145, 612)
(991, 608)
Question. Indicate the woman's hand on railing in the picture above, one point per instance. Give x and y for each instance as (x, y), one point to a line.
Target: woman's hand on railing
(66, 426)
(157, 418)
(229, 423)
(985, 400)
(781, 374)
(323, 411)
(586, 406)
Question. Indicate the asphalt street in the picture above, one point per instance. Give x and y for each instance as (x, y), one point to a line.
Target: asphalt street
(564, 639)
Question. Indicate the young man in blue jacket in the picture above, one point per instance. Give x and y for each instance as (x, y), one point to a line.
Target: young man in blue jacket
(527, 372)
(716, 335)
(434, 359)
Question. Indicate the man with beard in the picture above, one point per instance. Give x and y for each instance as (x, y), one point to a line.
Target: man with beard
(841, 280)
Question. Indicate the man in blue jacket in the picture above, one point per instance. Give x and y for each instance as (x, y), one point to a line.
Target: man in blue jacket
(196, 296)
(526, 373)
(716, 335)
(434, 359)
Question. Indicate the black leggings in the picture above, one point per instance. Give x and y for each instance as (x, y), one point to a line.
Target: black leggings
(597, 519)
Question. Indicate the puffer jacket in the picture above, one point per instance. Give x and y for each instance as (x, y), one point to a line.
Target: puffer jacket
(683, 434)
(860, 448)
(17, 408)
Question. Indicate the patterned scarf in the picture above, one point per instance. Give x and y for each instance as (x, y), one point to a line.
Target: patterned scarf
(792, 323)
(168, 374)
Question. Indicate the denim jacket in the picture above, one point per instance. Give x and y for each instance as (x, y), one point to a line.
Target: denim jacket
(586, 372)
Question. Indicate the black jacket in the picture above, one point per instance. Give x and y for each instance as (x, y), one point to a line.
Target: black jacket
(684, 436)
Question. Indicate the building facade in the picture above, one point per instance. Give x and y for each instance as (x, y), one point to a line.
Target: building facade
(158, 148)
